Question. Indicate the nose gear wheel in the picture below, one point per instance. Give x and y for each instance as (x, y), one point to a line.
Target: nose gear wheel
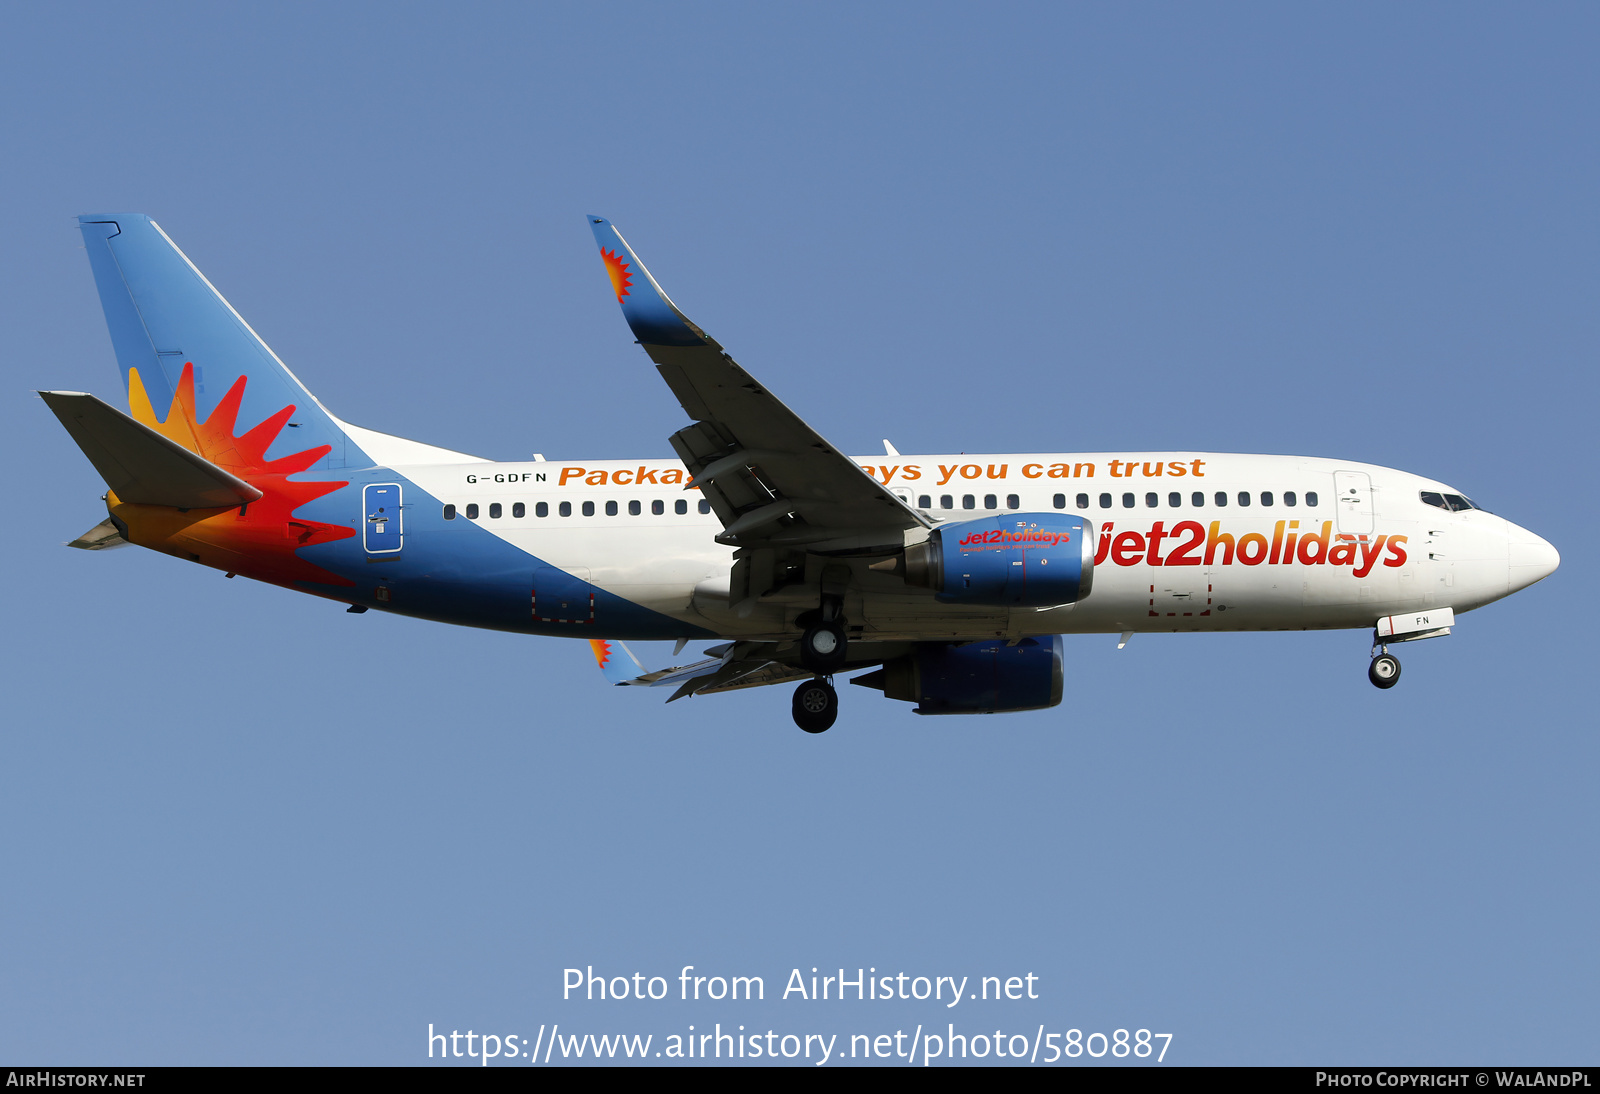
(1384, 672)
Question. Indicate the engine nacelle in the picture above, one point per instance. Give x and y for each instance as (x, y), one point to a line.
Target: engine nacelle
(1025, 560)
(989, 677)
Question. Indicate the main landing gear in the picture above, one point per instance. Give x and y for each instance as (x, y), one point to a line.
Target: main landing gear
(822, 647)
(1384, 672)
(816, 705)
(822, 644)
(822, 651)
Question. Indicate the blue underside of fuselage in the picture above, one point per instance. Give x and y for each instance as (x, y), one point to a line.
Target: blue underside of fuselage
(457, 572)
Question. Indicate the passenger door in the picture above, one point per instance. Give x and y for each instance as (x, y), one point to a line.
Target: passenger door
(1353, 491)
(383, 532)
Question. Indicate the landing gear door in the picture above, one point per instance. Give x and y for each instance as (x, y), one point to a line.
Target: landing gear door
(382, 531)
(1353, 489)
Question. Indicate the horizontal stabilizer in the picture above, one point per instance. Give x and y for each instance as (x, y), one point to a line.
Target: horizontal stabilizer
(102, 537)
(139, 464)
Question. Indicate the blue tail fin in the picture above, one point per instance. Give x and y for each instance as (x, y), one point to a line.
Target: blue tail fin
(164, 315)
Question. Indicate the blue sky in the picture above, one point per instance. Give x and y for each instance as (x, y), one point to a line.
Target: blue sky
(243, 826)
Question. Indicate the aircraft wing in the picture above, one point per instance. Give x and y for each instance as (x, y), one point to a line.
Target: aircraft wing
(731, 667)
(752, 674)
(771, 479)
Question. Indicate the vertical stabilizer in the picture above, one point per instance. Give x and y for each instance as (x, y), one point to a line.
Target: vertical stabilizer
(167, 320)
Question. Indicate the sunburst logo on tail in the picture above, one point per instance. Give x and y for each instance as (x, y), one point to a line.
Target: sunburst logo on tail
(259, 539)
(621, 279)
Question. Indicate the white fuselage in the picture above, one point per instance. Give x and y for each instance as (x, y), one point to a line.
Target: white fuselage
(1185, 541)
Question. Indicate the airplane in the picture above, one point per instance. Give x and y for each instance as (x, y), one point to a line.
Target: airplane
(950, 577)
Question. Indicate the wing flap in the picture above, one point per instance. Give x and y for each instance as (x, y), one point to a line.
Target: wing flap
(758, 674)
(139, 464)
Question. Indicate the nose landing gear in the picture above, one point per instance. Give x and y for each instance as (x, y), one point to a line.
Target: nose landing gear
(1384, 672)
(816, 705)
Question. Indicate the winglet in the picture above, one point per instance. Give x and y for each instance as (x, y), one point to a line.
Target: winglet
(652, 315)
(617, 662)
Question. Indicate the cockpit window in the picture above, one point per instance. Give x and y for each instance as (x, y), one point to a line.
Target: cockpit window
(1452, 503)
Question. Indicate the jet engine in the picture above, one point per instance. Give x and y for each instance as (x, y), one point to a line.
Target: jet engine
(978, 678)
(1027, 560)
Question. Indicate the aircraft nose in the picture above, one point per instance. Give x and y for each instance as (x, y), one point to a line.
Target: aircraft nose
(1529, 558)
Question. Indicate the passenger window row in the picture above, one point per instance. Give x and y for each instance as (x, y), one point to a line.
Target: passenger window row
(1197, 499)
(1152, 500)
(1130, 500)
(969, 501)
(658, 507)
